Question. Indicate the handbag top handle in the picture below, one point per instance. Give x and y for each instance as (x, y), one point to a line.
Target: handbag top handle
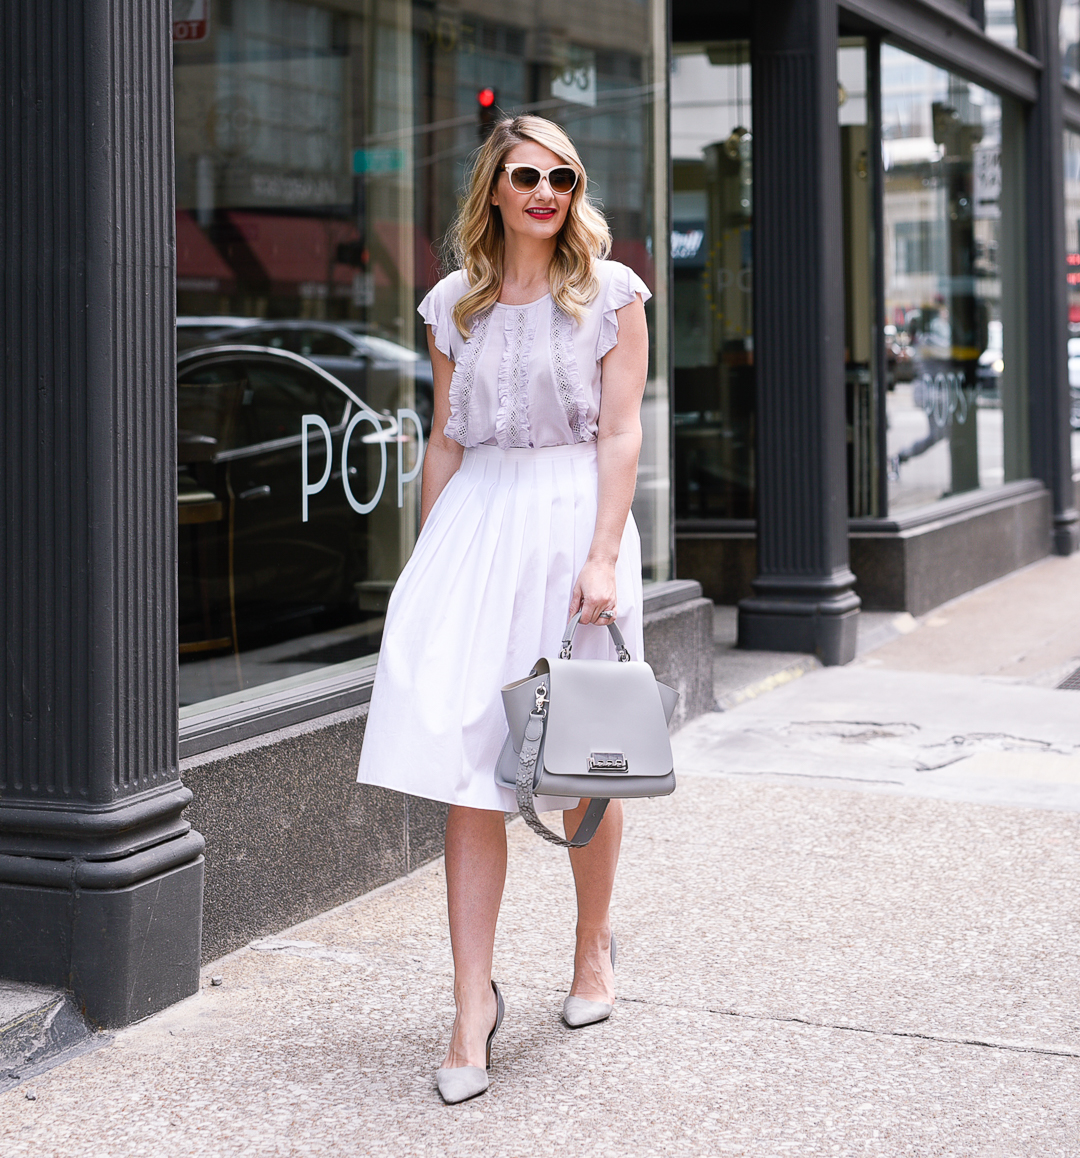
(568, 640)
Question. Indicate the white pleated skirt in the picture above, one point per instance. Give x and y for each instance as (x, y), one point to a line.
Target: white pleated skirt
(484, 595)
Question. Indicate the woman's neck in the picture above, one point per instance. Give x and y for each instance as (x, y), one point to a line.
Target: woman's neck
(526, 262)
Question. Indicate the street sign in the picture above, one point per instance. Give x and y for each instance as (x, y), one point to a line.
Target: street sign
(378, 160)
(190, 20)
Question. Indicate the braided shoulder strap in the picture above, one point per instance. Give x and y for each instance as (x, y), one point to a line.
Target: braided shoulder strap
(526, 778)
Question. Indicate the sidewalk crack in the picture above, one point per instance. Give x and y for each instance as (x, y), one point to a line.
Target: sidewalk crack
(982, 1042)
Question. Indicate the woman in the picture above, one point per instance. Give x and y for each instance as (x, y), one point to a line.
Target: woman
(539, 349)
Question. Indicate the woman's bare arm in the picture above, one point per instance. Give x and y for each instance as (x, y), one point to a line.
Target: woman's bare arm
(618, 445)
(443, 455)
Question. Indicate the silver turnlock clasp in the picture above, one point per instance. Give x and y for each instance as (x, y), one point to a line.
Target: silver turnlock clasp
(608, 762)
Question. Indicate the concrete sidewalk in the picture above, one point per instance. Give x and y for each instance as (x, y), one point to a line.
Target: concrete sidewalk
(811, 962)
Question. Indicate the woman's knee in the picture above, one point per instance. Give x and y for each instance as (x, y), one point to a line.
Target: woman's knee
(475, 825)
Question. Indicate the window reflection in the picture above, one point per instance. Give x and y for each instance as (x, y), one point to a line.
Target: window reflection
(1003, 22)
(952, 321)
(320, 152)
(713, 331)
(1069, 41)
(1072, 259)
(861, 370)
(712, 215)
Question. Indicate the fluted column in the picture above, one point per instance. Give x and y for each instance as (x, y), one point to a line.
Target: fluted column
(803, 598)
(1048, 378)
(100, 877)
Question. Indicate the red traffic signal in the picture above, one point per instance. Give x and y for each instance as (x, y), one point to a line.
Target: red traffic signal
(488, 114)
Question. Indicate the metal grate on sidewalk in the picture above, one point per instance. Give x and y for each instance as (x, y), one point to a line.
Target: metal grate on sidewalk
(1072, 682)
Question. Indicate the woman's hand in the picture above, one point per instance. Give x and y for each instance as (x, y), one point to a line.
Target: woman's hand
(594, 592)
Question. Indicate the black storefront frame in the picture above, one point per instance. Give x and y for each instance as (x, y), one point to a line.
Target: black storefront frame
(945, 35)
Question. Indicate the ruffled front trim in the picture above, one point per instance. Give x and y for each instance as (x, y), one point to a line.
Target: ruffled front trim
(463, 379)
(624, 286)
(512, 419)
(565, 371)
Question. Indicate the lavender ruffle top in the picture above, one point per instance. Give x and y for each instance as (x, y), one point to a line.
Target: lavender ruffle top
(528, 375)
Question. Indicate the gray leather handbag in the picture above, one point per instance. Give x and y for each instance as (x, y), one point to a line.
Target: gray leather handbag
(587, 728)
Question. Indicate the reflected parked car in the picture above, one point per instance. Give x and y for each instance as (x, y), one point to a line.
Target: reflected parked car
(899, 364)
(194, 331)
(1074, 382)
(373, 366)
(248, 556)
(991, 365)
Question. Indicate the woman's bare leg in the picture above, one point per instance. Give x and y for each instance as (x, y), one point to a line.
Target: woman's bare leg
(594, 876)
(475, 875)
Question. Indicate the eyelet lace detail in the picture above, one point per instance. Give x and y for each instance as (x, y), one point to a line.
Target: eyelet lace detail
(461, 383)
(567, 379)
(512, 419)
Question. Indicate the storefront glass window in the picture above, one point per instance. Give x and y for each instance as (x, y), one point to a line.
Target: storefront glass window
(954, 326)
(713, 328)
(861, 368)
(320, 153)
(1002, 23)
(1072, 259)
(1069, 40)
(711, 240)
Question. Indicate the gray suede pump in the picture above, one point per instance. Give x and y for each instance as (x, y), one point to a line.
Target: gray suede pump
(578, 1012)
(460, 1083)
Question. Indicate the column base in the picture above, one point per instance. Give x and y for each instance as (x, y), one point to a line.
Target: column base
(789, 615)
(105, 902)
(124, 953)
(1066, 532)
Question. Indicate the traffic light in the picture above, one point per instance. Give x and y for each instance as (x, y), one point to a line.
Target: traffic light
(486, 100)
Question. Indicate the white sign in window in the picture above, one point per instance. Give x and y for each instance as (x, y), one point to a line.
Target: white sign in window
(987, 166)
(576, 80)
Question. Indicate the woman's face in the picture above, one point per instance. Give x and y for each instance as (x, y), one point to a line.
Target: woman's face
(538, 215)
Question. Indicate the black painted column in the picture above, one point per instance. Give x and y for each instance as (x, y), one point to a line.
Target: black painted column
(803, 598)
(1048, 316)
(100, 877)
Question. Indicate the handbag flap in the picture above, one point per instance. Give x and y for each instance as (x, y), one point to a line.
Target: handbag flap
(600, 711)
(669, 697)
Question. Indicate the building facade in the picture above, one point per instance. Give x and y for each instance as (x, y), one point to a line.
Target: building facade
(873, 399)
(219, 218)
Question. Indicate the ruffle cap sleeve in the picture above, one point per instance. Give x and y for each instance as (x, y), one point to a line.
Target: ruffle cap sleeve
(623, 287)
(437, 311)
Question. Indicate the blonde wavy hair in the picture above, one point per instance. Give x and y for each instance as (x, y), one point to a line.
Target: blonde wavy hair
(477, 242)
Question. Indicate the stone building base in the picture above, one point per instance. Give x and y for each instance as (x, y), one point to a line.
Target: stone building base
(911, 563)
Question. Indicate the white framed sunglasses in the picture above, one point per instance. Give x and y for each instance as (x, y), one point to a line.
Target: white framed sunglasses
(526, 178)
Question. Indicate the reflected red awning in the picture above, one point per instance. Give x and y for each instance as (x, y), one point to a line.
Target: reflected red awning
(297, 250)
(199, 266)
(425, 270)
(636, 256)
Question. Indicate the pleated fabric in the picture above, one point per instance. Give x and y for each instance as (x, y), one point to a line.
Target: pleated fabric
(485, 594)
